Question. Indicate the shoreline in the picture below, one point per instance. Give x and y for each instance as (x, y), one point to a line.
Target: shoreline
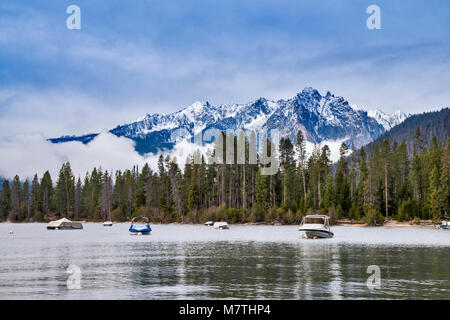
(389, 224)
(339, 223)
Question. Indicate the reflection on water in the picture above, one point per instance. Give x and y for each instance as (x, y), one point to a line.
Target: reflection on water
(247, 262)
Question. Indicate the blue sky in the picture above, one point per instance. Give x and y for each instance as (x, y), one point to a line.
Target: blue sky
(133, 57)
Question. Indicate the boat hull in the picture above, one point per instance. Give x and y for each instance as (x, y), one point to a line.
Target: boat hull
(221, 226)
(316, 234)
(72, 227)
(136, 233)
(139, 231)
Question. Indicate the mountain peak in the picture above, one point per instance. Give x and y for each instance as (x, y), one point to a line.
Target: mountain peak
(196, 107)
(309, 91)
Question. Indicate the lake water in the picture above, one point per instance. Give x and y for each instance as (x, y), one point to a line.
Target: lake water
(245, 262)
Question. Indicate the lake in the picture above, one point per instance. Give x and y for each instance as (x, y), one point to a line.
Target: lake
(245, 262)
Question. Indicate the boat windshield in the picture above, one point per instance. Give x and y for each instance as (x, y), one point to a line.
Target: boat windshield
(310, 220)
(140, 221)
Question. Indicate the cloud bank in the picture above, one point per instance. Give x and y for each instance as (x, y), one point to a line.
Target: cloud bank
(31, 154)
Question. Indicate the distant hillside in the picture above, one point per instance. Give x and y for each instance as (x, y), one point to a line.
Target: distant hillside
(431, 124)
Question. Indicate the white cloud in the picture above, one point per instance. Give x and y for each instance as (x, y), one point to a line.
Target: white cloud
(28, 154)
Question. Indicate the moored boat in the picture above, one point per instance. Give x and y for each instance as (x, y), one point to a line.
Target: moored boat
(64, 224)
(315, 227)
(444, 225)
(221, 226)
(109, 222)
(209, 223)
(140, 228)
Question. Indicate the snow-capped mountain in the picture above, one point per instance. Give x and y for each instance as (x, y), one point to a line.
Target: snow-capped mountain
(388, 121)
(321, 118)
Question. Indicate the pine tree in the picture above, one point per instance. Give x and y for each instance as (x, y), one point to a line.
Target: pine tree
(386, 152)
(342, 185)
(65, 187)
(286, 161)
(176, 182)
(5, 203)
(94, 194)
(262, 191)
(34, 213)
(418, 177)
(45, 195)
(363, 196)
(193, 198)
(25, 199)
(301, 150)
(314, 174)
(445, 179)
(78, 199)
(85, 196)
(106, 201)
(433, 197)
(15, 199)
(328, 197)
(323, 169)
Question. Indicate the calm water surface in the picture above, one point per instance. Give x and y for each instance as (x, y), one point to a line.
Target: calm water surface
(245, 262)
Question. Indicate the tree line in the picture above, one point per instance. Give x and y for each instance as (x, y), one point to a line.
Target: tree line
(390, 182)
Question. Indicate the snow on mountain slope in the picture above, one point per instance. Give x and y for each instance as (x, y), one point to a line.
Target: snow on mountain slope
(321, 118)
(388, 121)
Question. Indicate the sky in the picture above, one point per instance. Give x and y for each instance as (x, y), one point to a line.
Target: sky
(133, 57)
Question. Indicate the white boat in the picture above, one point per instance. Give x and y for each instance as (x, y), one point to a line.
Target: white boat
(109, 222)
(444, 225)
(209, 223)
(64, 224)
(315, 227)
(221, 226)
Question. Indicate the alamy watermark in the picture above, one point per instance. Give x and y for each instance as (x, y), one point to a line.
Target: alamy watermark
(74, 280)
(74, 20)
(374, 280)
(373, 22)
(251, 147)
